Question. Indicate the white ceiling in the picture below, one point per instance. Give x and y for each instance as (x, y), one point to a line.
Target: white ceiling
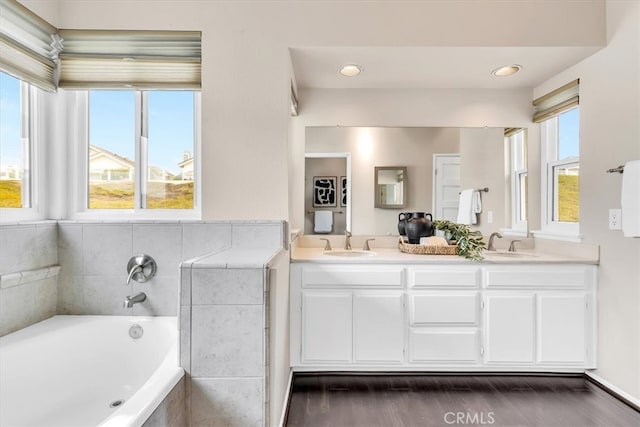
(431, 67)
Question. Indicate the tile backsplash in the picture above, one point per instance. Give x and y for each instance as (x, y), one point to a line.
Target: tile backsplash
(28, 274)
(93, 257)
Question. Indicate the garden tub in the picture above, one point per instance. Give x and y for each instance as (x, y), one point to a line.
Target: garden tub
(87, 371)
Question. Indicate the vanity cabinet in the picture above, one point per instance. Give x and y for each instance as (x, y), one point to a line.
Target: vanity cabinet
(346, 327)
(472, 316)
(327, 326)
(350, 315)
(509, 328)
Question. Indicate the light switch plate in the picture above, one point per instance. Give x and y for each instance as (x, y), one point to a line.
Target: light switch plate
(490, 217)
(615, 219)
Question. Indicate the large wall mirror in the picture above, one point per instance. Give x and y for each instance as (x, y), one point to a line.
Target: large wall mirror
(390, 187)
(438, 162)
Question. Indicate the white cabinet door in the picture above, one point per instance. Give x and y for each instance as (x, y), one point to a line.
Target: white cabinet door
(443, 345)
(561, 327)
(378, 327)
(326, 326)
(509, 328)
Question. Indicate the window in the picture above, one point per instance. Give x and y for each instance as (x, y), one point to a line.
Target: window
(141, 150)
(561, 159)
(15, 143)
(558, 113)
(519, 179)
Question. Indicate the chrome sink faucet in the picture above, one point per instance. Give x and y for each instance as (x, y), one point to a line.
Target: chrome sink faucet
(512, 246)
(135, 299)
(347, 240)
(327, 246)
(490, 246)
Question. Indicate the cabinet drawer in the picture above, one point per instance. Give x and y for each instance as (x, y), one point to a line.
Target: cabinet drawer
(439, 308)
(445, 277)
(443, 345)
(374, 277)
(538, 276)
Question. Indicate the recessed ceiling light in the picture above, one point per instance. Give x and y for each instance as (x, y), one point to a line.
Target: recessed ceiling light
(506, 70)
(350, 70)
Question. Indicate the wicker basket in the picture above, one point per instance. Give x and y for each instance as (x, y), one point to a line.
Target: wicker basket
(410, 248)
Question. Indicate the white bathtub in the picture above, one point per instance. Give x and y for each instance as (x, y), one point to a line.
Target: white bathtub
(67, 370)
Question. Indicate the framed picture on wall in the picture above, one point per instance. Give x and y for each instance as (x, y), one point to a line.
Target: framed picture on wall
(324, 192)
(343, 191)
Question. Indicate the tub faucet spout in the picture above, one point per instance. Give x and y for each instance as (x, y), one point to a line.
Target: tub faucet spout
(135, 299)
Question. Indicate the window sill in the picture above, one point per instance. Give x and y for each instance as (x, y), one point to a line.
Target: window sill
(18, 215)
(564, 237)
(514, 232)
(125, 214)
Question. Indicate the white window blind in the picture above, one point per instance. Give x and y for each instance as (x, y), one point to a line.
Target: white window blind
(556, 102)
(130, 59)
(29, 45)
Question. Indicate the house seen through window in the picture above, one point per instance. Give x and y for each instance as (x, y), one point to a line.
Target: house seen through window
(141, 149)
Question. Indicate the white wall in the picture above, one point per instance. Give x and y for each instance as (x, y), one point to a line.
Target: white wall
(246, 69)
(482, 164)
(610, 136)
(371, 147)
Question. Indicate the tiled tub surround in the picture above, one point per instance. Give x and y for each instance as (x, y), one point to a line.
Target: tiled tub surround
(94, 256)
(91, 276)
(226, 334)
(28, 274)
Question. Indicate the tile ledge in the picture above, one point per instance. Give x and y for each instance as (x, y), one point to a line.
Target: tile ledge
(9, 280)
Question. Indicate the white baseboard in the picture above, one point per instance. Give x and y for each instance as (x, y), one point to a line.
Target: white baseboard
(285, 405)
(613, 389)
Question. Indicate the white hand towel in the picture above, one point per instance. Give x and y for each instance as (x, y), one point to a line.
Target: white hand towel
(466, 215)
(630, 199)
(476, 206)
(323, 221)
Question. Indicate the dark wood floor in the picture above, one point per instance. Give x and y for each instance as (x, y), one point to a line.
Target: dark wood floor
(441, 400)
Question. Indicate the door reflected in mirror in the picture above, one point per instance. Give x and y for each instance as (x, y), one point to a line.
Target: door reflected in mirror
(390, 189)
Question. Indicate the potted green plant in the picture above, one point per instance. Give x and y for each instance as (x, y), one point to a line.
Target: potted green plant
(470, 243)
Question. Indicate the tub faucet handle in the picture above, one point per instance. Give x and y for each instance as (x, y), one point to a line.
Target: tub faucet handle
(141, 268)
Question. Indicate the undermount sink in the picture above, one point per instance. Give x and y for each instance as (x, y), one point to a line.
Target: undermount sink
(489, 254)
(349, 253)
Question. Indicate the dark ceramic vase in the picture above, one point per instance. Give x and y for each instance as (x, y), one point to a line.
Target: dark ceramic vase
(418, 225)
(402, 222)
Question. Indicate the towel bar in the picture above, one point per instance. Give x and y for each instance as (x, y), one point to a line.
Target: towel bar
(480, 190)
(337, 212)
(619, 169)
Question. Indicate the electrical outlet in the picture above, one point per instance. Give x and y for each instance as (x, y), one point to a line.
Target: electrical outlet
(615, 219)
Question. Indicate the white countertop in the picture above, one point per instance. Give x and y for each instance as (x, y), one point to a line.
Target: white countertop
(394, 256)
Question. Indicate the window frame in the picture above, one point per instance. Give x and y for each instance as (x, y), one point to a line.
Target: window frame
(79, 100)
(31, 113)
(519, 227)
(550, 228)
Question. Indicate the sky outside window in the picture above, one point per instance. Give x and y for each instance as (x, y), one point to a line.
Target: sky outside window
(569, 134)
